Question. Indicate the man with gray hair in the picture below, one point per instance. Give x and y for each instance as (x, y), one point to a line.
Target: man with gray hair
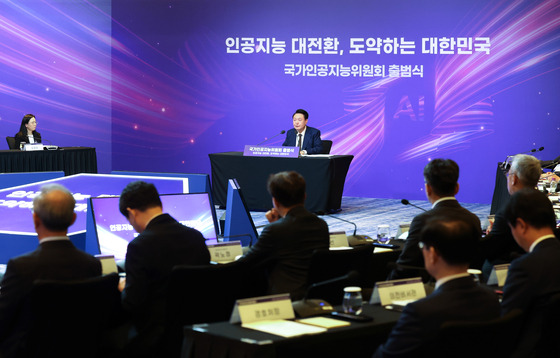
(55, 258)
(499, 246)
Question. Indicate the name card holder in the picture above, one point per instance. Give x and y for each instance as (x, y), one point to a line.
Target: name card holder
(108, 264)
(402, 229)
(32, 147)
(498, 275)
(264, 308)
(408, 289)
(338, 239)
(269, 151)
(225, 252)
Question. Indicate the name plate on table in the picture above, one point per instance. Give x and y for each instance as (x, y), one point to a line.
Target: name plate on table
(225, 252)
(264, 308)
(338, 239)
(498, 275)
(408, 289)
(32, 146)
(265, 151)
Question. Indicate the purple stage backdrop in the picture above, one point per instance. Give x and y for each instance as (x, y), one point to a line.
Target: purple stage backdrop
(157, 85)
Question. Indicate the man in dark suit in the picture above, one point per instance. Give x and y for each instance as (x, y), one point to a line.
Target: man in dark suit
(440, 176)
(162, 244)
(308, 139)
(499, 247)
(535, 276)
(55, 258)
(447, 247)
(287, 243)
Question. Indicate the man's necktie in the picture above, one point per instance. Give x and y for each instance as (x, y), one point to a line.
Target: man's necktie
(299, 142)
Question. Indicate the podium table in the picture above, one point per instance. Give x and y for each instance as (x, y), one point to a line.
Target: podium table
(501, 195)
(70, 160)
(325, 177)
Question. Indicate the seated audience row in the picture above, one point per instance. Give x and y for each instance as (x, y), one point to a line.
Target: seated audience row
(444, 240)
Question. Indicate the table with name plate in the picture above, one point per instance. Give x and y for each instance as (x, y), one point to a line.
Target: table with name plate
(70, 160)
(325, 177)
(223, 339)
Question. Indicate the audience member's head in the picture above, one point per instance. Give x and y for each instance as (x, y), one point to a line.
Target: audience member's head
(139, 195)
(524, 172)
(54, 207)
(442, 175)
(287, 188)
(530, 215)
(448, 245)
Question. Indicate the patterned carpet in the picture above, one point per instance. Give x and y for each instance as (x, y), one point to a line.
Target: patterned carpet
(367, 213)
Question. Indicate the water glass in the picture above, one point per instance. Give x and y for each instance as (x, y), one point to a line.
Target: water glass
(383, 234)
(476, 274)
(553, 185)
(352, 301)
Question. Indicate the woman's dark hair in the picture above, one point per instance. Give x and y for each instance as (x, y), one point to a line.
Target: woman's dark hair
(23, 129)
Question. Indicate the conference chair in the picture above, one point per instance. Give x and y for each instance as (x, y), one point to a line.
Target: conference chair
(11, 142)
(327, 145)
(494, 338)
(72, 318)
(204, 294)
(539, 334)
(383, 264)
(412, 271)
(329, 264)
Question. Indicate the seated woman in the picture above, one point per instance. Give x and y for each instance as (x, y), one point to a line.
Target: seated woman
(27, 132)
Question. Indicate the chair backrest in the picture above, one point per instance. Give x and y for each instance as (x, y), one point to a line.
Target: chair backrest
(204, 294)
(69, 318)
(11, 142)
(410, 271)
(494, 338)
(329, 264)
(540, 334)
(327, 145)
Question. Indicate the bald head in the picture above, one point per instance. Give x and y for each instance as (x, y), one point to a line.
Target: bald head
(54, 206)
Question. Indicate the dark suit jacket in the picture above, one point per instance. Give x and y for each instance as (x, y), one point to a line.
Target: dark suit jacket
(460, 299)
(311, 141)
(23, 138)
(531, 279)
(54, 260)
(287, 245)
(499, 246)
(150, 257)
(411, 254)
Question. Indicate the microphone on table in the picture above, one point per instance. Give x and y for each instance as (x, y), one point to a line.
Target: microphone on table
(505, 165)
(354, 240)
(49, 145)
(276, 135)
(406, 202)
(311, 307)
